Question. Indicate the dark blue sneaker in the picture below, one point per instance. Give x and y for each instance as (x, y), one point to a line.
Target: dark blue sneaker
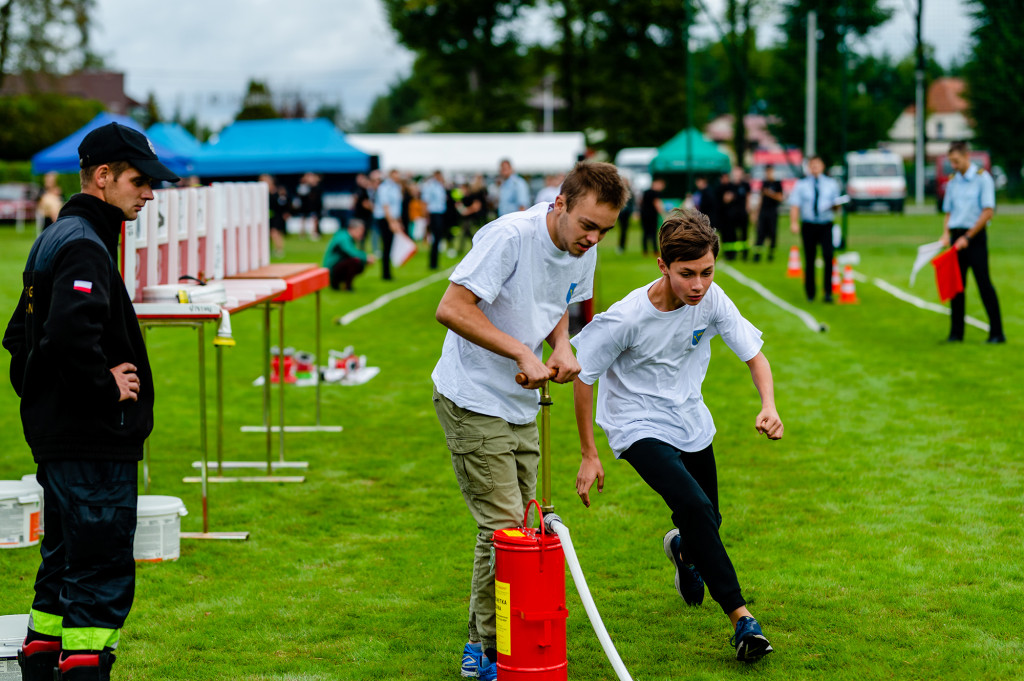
(689, 583)
(471, 656)
(751, 645)
(488, 673)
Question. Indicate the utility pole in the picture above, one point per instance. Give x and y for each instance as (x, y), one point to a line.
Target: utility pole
(811, 109)
(919, 114)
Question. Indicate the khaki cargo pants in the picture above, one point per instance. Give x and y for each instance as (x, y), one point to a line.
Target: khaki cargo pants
(495, 463)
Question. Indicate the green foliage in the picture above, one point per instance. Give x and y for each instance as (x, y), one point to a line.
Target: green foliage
(257, 104)
(881, 538)
(30, 123)
(403, 104)
(468, 62)
(995, 84)
(45, 36)
(15, 171)
(151, 113)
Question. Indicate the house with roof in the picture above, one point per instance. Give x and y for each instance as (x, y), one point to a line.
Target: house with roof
(947, 119)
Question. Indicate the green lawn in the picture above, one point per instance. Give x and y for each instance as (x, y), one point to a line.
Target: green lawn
(881, 538)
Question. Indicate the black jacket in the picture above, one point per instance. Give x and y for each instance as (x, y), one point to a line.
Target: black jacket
(73, 324)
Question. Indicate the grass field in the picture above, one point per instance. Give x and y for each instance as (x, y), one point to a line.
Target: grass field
(882, 538)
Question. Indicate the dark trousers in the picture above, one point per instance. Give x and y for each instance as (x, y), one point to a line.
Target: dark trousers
(650, 235)
(767, 231)
(974, 257)
(387, 237)
(344, 271)
(813, 234)
(688, 482)
(624, 217)
(438, 233)
(87, 573)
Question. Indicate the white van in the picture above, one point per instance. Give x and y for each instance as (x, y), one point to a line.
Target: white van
(634, 165)
(876, 179)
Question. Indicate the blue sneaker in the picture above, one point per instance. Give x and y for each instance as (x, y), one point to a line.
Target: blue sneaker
(489, 673)
(471, 656)
(689, 583)
(751, 645)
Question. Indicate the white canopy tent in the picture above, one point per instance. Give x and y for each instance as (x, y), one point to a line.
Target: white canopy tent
(471, 153)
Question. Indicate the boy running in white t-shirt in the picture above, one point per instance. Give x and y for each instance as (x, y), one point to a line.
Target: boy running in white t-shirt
(651, 351)
(506, 297)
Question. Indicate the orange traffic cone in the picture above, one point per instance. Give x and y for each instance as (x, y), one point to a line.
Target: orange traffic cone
(794, 270)
(837, 282)
(848, 290)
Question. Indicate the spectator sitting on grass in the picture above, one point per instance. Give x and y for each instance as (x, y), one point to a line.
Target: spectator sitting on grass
(344, 258)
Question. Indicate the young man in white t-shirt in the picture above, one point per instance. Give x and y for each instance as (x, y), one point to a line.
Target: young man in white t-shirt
(651, 351)
(506, 297)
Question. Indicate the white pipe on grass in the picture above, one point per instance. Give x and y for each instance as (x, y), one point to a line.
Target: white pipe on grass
(554, 524)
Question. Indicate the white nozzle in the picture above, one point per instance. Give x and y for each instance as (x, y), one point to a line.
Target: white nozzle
(554, 524)
(223, 336)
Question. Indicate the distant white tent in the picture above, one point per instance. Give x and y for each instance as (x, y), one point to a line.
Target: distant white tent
(470, 153)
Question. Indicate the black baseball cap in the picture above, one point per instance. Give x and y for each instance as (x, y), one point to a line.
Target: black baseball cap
(115, 142)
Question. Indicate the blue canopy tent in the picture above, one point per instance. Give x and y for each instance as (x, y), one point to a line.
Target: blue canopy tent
(62, 157)
(176, 138)
(279, 147)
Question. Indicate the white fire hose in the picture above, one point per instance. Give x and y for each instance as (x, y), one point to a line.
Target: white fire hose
(554, 524)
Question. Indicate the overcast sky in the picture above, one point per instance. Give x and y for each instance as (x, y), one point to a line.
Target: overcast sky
(338, 51)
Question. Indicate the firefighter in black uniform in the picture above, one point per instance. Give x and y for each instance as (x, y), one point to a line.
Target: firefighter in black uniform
(79, 365)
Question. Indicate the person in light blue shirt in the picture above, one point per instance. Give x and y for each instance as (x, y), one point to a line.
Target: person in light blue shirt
(811, 211)
(387, 217)
(435, 195)
(514, 193)
(969, 205)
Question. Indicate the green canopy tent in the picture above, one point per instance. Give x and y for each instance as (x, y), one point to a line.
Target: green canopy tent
(673, 161)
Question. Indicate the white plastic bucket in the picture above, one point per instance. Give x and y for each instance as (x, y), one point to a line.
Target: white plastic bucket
(20, 514)
(30, 480)
(158, 531)
(12, 633)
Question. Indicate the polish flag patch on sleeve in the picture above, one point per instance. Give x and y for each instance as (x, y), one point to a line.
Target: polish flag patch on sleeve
(83, 286)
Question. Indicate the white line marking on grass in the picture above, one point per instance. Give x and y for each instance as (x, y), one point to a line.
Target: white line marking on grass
(355, 314)
(915, 301)
(809, 321)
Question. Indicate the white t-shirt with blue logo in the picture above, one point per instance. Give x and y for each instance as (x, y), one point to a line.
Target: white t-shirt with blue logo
(525, 283)
(652, 363)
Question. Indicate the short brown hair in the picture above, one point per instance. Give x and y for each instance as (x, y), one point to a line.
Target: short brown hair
(602, 179)
(959, 147)
(85, 175)
(687, 234)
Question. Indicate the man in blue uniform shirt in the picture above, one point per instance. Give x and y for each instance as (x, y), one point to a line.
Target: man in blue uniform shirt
(810, 215)
(514, 194)
(969, 204)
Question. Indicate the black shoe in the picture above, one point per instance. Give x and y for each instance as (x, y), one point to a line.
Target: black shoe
(954, 339)
(689, 583)
(996, 339)
(751, 644)
(828, 300)
(38, 660)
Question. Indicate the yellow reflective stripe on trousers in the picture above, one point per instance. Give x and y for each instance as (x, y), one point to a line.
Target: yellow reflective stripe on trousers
(45, 623)
(90, 638)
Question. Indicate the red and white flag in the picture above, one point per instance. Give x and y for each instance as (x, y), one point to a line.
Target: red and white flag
(83, 286)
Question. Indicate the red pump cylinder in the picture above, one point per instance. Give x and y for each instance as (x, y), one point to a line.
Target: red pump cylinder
(529, 587)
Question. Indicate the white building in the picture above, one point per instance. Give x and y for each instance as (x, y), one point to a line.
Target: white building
(946, 120)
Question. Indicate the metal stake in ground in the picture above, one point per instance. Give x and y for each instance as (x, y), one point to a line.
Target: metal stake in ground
(545, 442)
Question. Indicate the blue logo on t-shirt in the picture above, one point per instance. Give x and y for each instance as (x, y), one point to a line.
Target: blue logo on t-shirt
(568, 296)
(697, 335)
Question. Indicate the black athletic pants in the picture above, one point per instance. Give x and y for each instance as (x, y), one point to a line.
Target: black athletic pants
(767, 230)
(813, 234)
(688, 482)
(974, 257)
(625, 215)
(387, 237)
(87, 573)
(438, 233)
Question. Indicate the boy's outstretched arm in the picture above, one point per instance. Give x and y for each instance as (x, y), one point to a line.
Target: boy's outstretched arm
(768, 421)
(590, 467)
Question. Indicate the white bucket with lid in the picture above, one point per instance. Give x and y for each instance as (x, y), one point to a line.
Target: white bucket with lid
(31, 481)
(158, 530)
(20, 514)
(12, 633)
